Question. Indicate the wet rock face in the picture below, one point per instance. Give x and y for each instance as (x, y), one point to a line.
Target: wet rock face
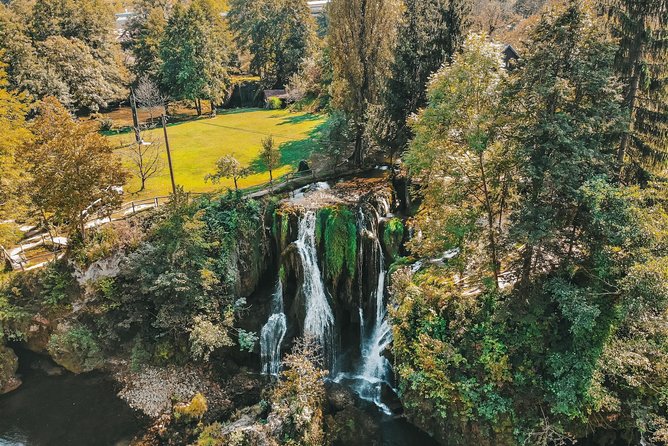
(9, 364)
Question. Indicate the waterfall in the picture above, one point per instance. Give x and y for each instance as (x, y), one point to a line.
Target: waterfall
(319, 320)
(272, 334)
(375, 368)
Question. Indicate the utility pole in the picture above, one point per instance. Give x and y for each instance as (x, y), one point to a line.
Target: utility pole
(169, 153)
(135, 116)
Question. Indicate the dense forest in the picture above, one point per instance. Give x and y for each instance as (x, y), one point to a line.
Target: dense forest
(479, 245)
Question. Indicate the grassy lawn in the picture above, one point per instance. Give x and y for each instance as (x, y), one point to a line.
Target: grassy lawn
(197, 145)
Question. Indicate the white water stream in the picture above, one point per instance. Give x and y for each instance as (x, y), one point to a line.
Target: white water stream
(319, 320)
(272, 334)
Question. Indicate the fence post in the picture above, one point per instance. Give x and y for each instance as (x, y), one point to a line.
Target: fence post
(134, 211)
(156, 201)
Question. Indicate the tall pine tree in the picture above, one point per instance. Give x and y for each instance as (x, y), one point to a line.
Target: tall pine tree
(642, 62)
(430, 33)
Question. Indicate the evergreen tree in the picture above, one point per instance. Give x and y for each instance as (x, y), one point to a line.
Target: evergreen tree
(642, 62)
(362, 35)
(430, 33)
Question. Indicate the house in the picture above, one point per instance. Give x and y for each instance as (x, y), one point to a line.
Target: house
(510, 57)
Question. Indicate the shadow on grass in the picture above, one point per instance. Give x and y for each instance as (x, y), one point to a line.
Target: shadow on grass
(298, 119)
(292, 152)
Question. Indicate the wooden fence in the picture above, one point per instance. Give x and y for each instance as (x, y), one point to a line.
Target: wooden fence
(283, 184)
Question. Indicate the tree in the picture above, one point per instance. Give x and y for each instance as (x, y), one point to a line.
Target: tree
(567, 119)
(74, 75)
(460, 155)
(74, 173)
(145, 32)
(429, 34)
(270, 156)
(63, 48)
(149, 97)
(13, 110)
(228, 167)
(146, 160)
(194, 51)
(642, 63)
(361, 40)
(277, 33)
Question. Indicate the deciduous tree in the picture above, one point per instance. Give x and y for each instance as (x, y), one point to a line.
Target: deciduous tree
(13, 110)
(195, 52)
(74, 173)
(270, 155)
(228, 167)
(277, 33)
(362, 36)
(461, 156)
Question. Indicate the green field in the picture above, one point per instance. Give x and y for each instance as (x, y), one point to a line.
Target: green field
(197, 145)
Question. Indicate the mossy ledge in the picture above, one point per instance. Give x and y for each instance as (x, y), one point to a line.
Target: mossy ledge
(336, 231)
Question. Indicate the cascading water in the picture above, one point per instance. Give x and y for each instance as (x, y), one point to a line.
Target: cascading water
(272, 334)
(319, 320)
(375, 368)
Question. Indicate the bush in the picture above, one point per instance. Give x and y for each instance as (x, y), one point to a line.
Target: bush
(274, 103)
(56, 284)
(107, 124)
(194, 410)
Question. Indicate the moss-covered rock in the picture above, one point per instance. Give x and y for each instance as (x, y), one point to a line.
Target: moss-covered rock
(75, 348)
(393, 236)
(9, 364)
(337, 232)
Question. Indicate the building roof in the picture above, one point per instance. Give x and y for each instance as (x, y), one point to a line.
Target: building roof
(281, 94)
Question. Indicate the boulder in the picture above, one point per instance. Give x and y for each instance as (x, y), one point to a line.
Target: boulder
(339, 397)
(353, 427)
(9, 364)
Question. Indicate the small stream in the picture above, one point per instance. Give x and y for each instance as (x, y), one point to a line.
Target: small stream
(64, 410)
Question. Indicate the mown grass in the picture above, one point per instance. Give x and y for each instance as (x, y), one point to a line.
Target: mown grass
(197, 145)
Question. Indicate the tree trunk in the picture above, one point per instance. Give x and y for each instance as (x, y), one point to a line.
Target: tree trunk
(271, 176)
(490, 222)
(236, 186)
(358, 154)
(213, 109)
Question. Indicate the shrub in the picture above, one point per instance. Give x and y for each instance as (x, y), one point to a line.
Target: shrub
(56, 284)
(393, 235)
(205, 337)
(194, 410)
(274, 103)
(107, 124)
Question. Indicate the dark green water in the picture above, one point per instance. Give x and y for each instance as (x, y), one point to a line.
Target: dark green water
(65, 410)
